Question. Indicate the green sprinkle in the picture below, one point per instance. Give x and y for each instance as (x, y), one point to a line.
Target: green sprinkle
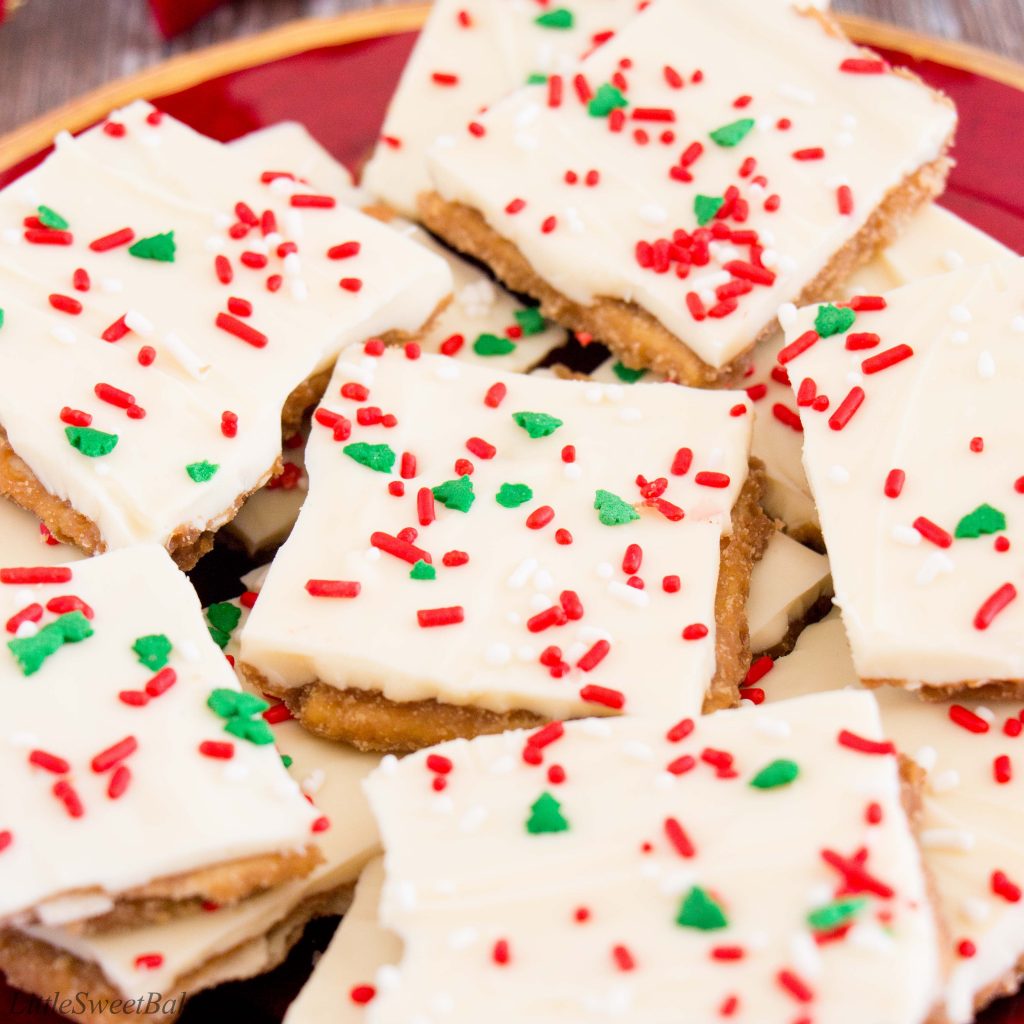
(456, 494)
(200, 472)
(90, 442)
(51, 219)
(513, 495)
(31, 651)
(730, 135)
(493, 345)
(560, 17)
(833, 320)
(153, 651)
(219, 637)
(778, 773)
(379, 457)
(423, 571)
(536, 78)
(613, 510)
(255, 730)
(227, 703)
(546, 816)
(156, 247)
(287, 760)
(1, 318)
(530, 320)
(983, 520)
(705, 207)
(223, 615)
(699, 910)
(537, 424)
(834, 915)
(605, 100)
(626, 373)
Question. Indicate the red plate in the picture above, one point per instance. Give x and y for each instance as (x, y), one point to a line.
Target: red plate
(359, 76)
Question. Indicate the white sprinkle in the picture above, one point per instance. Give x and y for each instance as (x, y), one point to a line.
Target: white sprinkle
(770, 258)
(473, 818)
(63, 334)
(574, 221)
(62, 139)
(787, 315)
(543, 580)
(653, 213)
(952, 260)
(986, 713)
(388, 975)
(927, 758)
(373, 554)
(943, 782)
(870, 937)
(839, 474)
(235, 771)
(527, 115)
(936, 564)
(448, 369)
(638, 751)
(188, 359)
(111, 285)
(805, 955)
(605, 570)
(789, 91)
(139, 323)
(957, 840)
(522, 573)
(960, 314)
(905, 535)
(525, 652)
(630, 414)
(976, 910)
(776, 727)
(844, 140)
(960, 337)
(498, 654)
(538, 602)
(572, 470)
(299, 289)
(26, 629)
(189, 651)
(596, 727)
(215, 243)
(12, 236)
(986, 365)
(502, 765)
(388, 765)
(594, 394)
(313, 782)
(1017, 324)
(630, 595)
(526, 141)
(463, 938)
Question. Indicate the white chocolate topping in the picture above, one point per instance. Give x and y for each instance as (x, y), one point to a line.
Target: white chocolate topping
(920, 486)
(106, 710)
(155, 179)
(628, 889)
(971, 823)
(527, 171)
(509, 599)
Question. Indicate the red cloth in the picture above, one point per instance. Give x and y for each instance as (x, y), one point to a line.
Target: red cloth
(174, 16)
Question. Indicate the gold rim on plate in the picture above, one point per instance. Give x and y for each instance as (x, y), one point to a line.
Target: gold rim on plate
(313, 33)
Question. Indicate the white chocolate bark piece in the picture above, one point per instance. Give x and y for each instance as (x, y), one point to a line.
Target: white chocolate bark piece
(25, 541)
(785, 585)
(237, 941)
(342, 984)
(934, 242)
(184, 364)
(915, 468)
(970, 828)
(542, 455)
(570, 872)
(777, 139)
(113, 695)
(468, 55)
(288, 146)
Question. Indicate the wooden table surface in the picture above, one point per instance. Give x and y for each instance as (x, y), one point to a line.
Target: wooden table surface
(54, 50)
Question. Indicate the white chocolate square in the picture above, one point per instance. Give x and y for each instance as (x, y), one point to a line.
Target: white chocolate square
(99, 184)
(527, 171)
(208, 810)
(626, 888)
(970, 827)
(515, 571)
(926, 585)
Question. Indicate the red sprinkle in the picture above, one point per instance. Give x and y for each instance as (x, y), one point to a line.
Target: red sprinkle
(932, 532)
(112, 241)
(30, 613)
(890, 357)
(333, 588)
(863, 745)
(993, 605)
(967, 719)
(614, 699)
(849, 405)
(240, 330)
(678, 838)
(428, 617)
(217, 749)
(43, 574)
(894, 483)
(112, 756)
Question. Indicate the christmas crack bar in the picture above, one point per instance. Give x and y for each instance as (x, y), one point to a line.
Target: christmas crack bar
(970, 828)
(181, 316)
(122, 722)
(481, 550)
(755, 864)
(218, 943)
(707, 164)
(910, 409)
